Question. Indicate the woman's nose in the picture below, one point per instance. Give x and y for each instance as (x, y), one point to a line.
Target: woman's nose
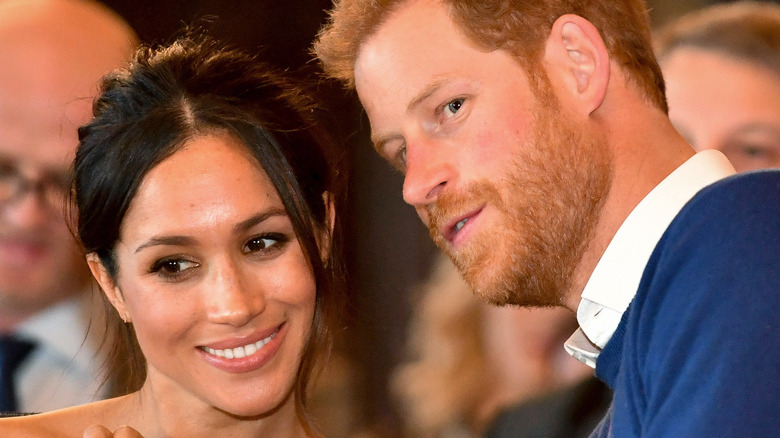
(233, 299)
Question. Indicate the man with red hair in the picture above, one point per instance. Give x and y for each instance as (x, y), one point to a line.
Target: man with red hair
(535, 145)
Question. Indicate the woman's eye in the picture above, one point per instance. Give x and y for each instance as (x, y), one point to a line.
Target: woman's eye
(262, 243)
(172, 267)
(453, 107)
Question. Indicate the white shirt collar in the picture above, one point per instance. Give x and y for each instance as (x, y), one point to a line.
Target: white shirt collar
(615, 280)
(72, 329)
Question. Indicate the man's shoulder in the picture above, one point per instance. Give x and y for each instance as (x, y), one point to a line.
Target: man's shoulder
(741, 189)
(714, 273)
(725, 239)
(713, 276)
(693, 355)
(738, 213)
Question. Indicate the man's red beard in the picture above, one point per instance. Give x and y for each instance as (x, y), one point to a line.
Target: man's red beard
(548, 205)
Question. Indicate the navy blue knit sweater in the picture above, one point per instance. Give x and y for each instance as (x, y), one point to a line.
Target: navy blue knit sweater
(697, 353)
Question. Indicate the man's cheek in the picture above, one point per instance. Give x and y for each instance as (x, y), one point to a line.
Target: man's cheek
(422, 212)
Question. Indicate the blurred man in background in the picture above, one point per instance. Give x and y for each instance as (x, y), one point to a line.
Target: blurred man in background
(468, 360)
(722, 70)
(52, 55)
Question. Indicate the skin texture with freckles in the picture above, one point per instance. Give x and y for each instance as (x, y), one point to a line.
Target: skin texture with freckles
(479, 139)
(207, 258)
(227, 293)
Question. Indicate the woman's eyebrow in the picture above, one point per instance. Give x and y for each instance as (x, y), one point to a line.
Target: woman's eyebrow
(258, 218)
(244, 225)
(166, 240)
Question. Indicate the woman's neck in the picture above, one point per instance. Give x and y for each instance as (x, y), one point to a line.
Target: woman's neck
(157, 413)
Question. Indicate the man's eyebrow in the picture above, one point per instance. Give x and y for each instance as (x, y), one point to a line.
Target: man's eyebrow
(50, 172)
(425, 93)
(758, 127)
(379, 141)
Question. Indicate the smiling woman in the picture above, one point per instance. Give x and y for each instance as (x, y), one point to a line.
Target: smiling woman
(206, 204)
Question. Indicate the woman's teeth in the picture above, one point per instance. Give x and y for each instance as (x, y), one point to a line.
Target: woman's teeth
(239, 352)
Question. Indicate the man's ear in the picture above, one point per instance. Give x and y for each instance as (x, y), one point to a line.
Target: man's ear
(325, 238)
(108, 285)
(576, 54)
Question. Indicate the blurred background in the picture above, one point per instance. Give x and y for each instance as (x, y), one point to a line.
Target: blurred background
(389, 252)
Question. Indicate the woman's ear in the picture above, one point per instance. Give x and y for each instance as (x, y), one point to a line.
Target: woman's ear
(324, 238)
(108, 285)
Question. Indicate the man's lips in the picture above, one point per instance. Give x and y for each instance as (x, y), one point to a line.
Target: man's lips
(22, 251)
(456, 225)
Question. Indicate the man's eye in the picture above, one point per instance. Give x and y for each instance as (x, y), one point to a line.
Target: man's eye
(172, 267)
(8, 170)
(61, 181)
(753, 151)
(396, 156)
(453, 107)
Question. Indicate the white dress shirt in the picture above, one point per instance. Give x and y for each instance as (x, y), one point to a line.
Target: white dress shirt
(64, 368)
(615, 279)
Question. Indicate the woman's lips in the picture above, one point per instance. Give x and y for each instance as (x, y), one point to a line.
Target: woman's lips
(242, 351)
(238, 356)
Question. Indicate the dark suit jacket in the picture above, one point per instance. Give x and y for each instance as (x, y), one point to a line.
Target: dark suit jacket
(571, 412)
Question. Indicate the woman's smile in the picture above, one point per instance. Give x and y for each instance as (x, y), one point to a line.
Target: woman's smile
(248, 357)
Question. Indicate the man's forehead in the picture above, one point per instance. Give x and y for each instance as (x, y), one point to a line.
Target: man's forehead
(39, 138)
(405, 47)
(405, 61)
(410, 18)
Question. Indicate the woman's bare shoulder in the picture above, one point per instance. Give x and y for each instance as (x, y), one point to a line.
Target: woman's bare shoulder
(63, 423)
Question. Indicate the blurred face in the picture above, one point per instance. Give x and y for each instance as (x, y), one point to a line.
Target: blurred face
(39, 260)
(50, 64)
(508, 187)
(718, 102)
(524, 348)
(214, 281)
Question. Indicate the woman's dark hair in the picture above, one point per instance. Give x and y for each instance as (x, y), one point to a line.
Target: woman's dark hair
(196, 86)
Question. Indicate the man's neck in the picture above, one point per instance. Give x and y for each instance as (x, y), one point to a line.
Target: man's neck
(645, 150)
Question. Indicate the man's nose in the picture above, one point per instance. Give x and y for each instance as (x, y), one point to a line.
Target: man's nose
(429, 169)
(30, 209)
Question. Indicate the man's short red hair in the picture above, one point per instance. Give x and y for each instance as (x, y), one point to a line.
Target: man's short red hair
(520, 27)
